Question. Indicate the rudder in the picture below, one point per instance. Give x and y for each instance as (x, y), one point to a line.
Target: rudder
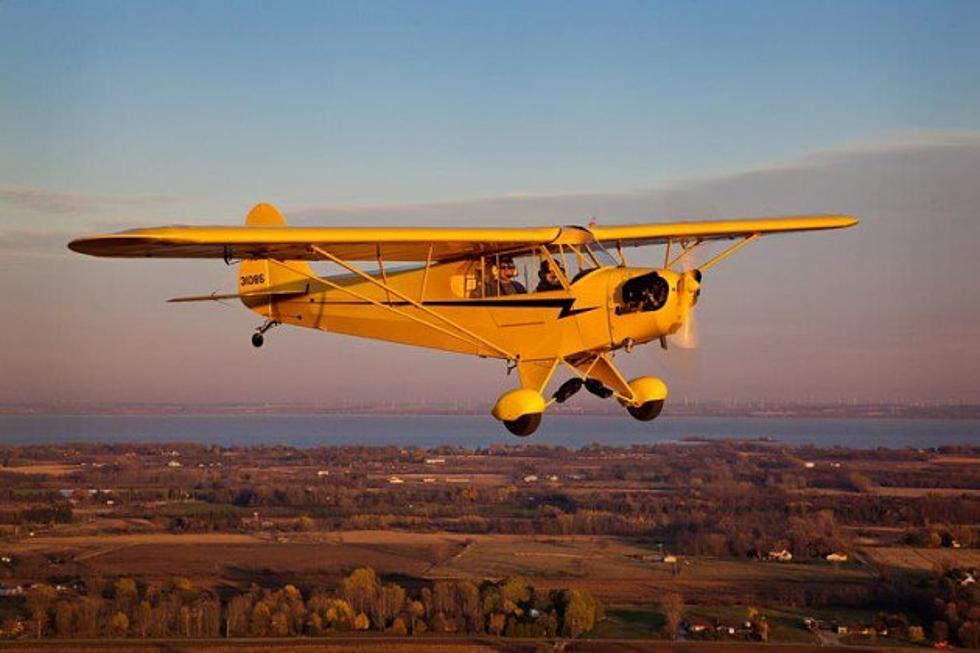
(261, 276)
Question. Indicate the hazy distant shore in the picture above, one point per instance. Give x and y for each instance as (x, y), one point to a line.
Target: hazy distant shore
(781, 410)
(476, 430)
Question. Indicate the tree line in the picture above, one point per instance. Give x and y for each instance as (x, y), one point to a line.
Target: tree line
(362, 602)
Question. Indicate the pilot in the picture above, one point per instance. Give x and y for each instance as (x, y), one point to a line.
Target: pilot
(548, 278)
(504, 279)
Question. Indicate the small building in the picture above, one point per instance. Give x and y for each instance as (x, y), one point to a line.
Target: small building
(395, 480)
(780, 556)
(429, 479)
(837, 557)
(435, 461)
(698, 626)
(531, 478)
(174, 464)
(809, 465)
(323, 472)
(10, 590)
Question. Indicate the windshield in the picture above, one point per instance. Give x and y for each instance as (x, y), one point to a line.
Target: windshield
(602, 255)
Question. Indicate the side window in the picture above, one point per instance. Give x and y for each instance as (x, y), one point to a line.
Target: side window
(547, 272)
(531, 271)
(503, 274)
(467, 283)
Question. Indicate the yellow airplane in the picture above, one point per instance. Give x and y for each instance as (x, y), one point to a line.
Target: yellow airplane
(538, 298)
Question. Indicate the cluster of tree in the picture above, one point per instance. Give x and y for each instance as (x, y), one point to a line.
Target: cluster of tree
(953, 604)
(511, 608)
(56, 512)
(122, 610)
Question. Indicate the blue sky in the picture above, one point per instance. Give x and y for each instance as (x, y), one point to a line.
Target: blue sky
(390, 102)
(119, 114)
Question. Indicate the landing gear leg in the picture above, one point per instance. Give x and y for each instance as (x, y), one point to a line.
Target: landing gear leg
(258, 338)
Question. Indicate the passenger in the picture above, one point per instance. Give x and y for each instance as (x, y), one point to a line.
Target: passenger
(504, 281)
(548, 278)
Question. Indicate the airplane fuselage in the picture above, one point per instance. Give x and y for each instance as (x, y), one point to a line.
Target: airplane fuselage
(591, 315)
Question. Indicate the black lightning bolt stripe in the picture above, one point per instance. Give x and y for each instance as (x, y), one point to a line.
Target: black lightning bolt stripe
(563, 303)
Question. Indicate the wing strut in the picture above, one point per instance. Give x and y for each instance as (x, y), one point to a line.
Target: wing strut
(353, 293)
(468, 336)
(728, 251)
(425, 309)
(687, 249)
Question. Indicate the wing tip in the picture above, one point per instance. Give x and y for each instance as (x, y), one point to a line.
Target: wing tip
(80, 245)
(841, 221)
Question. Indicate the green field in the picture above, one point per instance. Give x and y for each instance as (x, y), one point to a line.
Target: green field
(629, 623)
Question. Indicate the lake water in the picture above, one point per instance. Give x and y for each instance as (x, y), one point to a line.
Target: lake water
(477, 430)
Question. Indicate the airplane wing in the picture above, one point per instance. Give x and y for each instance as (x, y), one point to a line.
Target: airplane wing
(293, 243)
(658, 233)
(416, 243)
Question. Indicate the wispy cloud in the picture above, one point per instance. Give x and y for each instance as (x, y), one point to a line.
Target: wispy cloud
(904, 142)
(931, 156)
(32, 243)
(42, 200)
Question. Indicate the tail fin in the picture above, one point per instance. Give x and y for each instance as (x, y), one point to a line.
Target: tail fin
(266, 276)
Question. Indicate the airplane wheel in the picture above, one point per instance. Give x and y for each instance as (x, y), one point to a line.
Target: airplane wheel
(648, 411)
(257, 339)
(524, 425)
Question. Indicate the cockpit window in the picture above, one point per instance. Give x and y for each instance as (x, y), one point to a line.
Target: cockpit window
(515, 273)
(602, 255)
(647, 292)
(535, 270)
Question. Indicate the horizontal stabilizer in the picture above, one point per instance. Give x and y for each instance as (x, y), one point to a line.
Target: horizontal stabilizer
(214, 297)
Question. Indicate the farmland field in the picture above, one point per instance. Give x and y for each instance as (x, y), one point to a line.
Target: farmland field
(266, 527)
(612, 568)
(923, 559)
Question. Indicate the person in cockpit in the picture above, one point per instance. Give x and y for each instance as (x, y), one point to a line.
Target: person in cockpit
(548, 278)
(503, 280)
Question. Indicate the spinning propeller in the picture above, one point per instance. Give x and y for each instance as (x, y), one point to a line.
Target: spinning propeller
(689, 288)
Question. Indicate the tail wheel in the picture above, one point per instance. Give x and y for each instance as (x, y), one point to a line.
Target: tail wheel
(647, 411)
(524, 425)
(257, 339)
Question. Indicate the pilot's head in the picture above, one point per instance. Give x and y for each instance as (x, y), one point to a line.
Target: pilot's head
(547, 272)
(507, 268)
